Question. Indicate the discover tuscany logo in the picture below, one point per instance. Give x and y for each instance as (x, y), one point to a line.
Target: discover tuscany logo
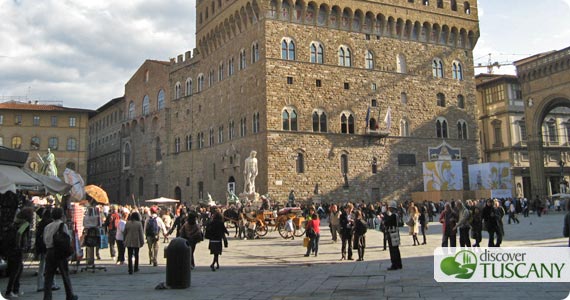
(530, 264)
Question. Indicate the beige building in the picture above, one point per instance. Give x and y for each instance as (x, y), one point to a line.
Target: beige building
(545, 85)
(105, 148)
(504, 134)
(294, 81)
(34, 127)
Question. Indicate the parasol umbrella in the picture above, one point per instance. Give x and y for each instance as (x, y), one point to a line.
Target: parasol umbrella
(77, 191)
(97, 193)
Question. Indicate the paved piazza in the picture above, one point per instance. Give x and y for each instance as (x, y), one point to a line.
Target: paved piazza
(274, 268)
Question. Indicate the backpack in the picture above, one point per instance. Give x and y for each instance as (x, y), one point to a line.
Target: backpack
(152, 227)
(62, 243)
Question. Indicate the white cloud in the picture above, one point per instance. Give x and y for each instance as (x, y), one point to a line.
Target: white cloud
(83, 52)
(567, 2)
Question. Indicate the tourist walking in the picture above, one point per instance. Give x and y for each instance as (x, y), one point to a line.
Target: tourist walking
(120, 238)
(18, 242)
(424, 222)
(391, 222)
(463, 224)
(41, 251)
(360, 228)
(491, 223)
(192, 233)
(216, 232)
(153, 227)
(346, 221)
(448, 218)
(313, 232)
(54, 260)
(334, 222)
(133, 240)
(476, 226)
(512, 214)
(414, 223)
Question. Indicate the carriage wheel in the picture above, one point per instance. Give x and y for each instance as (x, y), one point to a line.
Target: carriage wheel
(261, 229)
(282, 230)
(300, 231)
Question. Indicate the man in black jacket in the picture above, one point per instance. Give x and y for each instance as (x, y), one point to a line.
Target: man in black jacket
(391, 223)
(346, 221)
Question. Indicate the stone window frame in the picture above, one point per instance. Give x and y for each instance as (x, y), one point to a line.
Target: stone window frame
(211, 77)
(453, 5)
(36, 120)
(347, 121)
(457, 70)
(551, 130)
(177, 145)
(188, 142)
(200, 80)
(211, 138)
(437, 67)
(221, 71)
(288, 49)
(441, 128)
(35, 143)
(177, 88)
(401, 64)
(231, 66)
(344, 56)
(254, 52)
(320, 122)
(317, 53)
(189, 86)
(220, 134)
(290, 118)
(467, 8)
(71, 144)
(145, 107)
(440, 100)
(231, 130)
(127, 156)
(462, 130)
(255, 122)
(369, 60)
(53, 143)
(461, 101)
(131, 110)
(404, 98)
(242, 59)
(300, 165)
(344, 163)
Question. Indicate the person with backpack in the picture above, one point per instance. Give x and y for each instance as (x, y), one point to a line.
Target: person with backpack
(112, 223)
(55, 260)
(19, 242)
(41, 251)
(359, 234)
(314, 234)
(463, 224)
(152, 229)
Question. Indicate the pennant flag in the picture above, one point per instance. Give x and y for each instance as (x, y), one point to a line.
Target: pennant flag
(388, 118)
(368, 117)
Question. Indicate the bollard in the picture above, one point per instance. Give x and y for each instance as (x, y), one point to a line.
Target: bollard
(178, 264)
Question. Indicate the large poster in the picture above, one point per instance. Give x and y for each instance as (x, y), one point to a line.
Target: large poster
(443, 175)
(490, 176)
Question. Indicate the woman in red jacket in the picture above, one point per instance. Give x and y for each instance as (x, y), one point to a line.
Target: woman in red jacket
(313, 233)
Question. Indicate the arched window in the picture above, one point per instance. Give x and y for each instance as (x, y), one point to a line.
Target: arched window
(157, 152)
(441, 128)
(454, 5)
(272, 12)
(369, 60)
(440, 99)
(254, 52)
(467, 8)
(177, 145)
(552, 131)
(300, 162)
(71, 144)
(460, 101)
(289, 116)
(287, 49)
(344, 163)
(221, 71)
(255, 122)
(437, 68)
(131, 110)
(200, 82)
(242, 59)
(146, 105)
(404, 98)
(53, 143)
(457, 70)
(189, 87)
(426, 2)
(319, 121)
(317, 53)
(404, 128)
(127, 155)
(160, 97)
(347, 123)
(344, 56)
(401, 66)
(16, 142)
(177, 88)
(462, 130)
(439, 3)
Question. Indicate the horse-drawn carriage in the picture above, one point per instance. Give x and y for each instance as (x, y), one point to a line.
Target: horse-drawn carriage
(264, 221)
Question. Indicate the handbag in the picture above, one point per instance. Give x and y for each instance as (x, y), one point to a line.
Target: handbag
(104, 240)
(394, 236)
(306, 241)
(410, 222)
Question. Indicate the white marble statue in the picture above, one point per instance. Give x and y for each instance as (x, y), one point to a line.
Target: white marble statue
(49, 168)
(249, 173)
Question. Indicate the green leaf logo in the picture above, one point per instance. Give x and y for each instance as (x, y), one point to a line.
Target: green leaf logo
(462, 265)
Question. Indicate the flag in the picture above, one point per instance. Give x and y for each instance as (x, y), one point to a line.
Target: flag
(368, 117)
(388, 118)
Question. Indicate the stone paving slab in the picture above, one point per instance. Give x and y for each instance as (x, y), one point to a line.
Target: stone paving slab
(274, 268)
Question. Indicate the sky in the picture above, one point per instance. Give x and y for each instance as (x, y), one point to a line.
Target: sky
(81, 53)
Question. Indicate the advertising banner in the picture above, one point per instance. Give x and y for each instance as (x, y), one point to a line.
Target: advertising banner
(444, 175)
